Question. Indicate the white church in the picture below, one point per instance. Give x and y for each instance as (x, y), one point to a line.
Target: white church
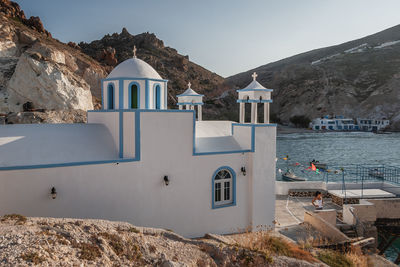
(135, 160)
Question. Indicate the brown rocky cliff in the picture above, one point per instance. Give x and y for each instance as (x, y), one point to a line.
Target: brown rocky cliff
(38, 69)
(178, 69)
(12, 10)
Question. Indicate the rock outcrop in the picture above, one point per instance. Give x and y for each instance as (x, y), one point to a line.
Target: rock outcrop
(360, 78)
(38, 69)
(12, 10)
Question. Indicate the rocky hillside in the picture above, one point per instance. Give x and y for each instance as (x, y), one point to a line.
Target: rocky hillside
(360, 78)
(39, 73)
(43, 80)
(71, 242)
(178, 69)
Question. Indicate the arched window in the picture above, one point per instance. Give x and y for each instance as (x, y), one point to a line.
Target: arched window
(134, 96)
(110, 96)
(157, 97)
(224, 187)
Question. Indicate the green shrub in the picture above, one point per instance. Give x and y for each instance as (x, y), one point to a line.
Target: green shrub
(334, 259)
(300, 121)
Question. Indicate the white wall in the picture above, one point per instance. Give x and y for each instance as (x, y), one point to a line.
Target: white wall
(263, 174)
(135, 191)
(213, 128)
(243, 136)
(110, 120)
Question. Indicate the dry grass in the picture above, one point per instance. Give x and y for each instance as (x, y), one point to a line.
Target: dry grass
(33, 257)
(123, 248)
(335, 259)
(88, 251)
(19, 219)
(265, 242)
(357, 257)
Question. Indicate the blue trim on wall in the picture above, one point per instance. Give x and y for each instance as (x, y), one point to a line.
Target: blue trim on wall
(130, 94)
(166, 95)
(233, 188)
(147, 94)
(137, 136)
(189, 95)
(121, 135)
(121, 94)
(102, 94)
(67, 164)
(138, 141)
(155, 95)
(133, 78)
(189, 103)
(253, 101)
(142, 110)
(255, 90)
(111, 87)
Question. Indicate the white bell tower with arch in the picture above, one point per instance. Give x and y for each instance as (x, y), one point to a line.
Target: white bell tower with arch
(190, 99)
(254, 94)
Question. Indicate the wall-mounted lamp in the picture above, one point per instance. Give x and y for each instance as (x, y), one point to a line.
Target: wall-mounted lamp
(53, 193)
(166, 180)
(243, 170)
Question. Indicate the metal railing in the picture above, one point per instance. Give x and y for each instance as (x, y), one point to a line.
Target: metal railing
(362, 174)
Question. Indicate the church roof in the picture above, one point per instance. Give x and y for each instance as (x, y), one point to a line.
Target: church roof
(189, 92)
(44, 144)
(134, 68)
(255, 86)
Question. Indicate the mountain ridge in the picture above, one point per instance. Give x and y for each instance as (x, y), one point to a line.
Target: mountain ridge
(356, 78)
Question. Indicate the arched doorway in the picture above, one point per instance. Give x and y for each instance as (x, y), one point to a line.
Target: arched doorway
(110, 96)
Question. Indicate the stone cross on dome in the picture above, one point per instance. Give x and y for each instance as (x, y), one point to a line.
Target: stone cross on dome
(134, 51)
(189, 84)
(254, 76)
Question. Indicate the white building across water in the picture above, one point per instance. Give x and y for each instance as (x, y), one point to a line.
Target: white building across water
(339, 123)
(138, 161)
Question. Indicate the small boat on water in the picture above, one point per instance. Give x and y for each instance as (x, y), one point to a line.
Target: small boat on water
(319, 165)
(289, 176)
(376, 173)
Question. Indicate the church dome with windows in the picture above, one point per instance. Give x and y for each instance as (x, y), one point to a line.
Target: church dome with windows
(134, 68)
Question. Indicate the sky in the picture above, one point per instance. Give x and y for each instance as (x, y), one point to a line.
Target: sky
(224, 36)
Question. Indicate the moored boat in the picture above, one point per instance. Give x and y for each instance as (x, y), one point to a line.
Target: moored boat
(289, 176)
(376, 173)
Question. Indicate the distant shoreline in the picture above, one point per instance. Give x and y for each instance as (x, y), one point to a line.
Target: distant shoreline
(282, 129)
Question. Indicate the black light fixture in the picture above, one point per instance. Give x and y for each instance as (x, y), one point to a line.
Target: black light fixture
(166, 180)
(53, 193)
(243, 170)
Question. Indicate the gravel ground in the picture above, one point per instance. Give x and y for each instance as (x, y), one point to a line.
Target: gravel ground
(72, 242)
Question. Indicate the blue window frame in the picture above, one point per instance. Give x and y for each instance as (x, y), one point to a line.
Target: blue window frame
(157, 96)
(110, 96)
(134, 95)
(223, 188)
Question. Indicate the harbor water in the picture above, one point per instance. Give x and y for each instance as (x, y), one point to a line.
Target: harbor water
(337, 149)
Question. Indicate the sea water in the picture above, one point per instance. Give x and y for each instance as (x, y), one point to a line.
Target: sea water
(337, 149)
